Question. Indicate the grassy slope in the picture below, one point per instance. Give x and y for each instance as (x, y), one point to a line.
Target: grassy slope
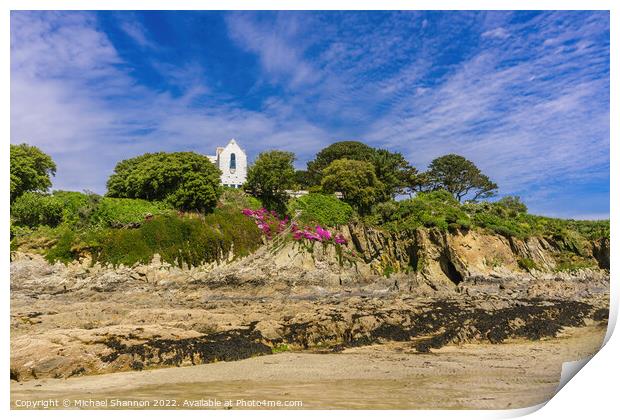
(91, 227)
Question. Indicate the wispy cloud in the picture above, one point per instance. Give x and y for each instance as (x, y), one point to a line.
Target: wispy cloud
(526, 96)
(500, 33)
(137, 32)
(100, 115)
(271, 41)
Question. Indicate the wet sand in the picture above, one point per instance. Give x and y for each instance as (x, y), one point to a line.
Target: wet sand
(514, 374)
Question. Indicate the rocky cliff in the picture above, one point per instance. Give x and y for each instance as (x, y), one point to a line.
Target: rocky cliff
(427, 287)
(422, 259)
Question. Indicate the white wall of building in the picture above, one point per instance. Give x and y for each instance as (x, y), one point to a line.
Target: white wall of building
(236, 174)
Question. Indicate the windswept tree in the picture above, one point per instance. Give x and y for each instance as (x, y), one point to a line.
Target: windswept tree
(460, 177)
(412, 181)
(356, 180)
(185, 180)
(271, 174)
(390, 168)
(31, 170)
(393, 170)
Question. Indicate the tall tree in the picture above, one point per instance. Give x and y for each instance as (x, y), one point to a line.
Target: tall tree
(353, 150)
(186, 180)
(357, 182)
(31, 170)
(460, 177)
(412, 181)
(390, 168)
(303, 180)
(271, 174)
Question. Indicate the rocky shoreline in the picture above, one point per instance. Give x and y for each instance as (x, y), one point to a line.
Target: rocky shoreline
(80, 319)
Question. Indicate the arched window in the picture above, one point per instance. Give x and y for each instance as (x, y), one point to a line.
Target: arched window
(233, 162)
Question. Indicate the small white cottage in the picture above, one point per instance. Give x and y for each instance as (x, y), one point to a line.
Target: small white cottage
(233, 162)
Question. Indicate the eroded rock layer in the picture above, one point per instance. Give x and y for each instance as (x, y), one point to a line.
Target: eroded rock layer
(427, 287)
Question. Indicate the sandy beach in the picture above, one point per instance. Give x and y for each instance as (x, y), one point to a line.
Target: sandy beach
(514, 374)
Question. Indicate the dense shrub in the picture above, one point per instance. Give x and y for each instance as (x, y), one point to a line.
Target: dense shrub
(432, 209)
(234, 198)
(527, 264)
(64, 250)
(79, 210)
(119, 212)
(508, 221)
(326, 210)
(32, 209)
(505, 217)
(504, 226)
(180, 240)
(185, 180)
(17, 231)
(568, 261)
(73, 206)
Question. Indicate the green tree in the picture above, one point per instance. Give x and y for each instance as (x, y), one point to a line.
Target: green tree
(184, 180)
(390, 168)
(460, 177)
(303, 180)
(393, 171)
(513, 203)
(413, 181)
(271, 174)
(31, 170)
(353, 150)
(356, 180)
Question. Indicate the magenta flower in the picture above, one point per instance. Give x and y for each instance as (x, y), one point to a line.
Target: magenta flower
(324, 234)
(269, 222)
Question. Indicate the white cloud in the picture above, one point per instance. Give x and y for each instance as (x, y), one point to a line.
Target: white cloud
(500, 33)
(529, 105)
(74, 120)
(136, 31)
(280, 59)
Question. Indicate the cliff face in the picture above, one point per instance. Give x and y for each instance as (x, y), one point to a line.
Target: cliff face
(422, 258)
(427, 287)
(448, 258)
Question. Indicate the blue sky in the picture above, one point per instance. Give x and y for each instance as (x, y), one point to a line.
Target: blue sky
(525, 95)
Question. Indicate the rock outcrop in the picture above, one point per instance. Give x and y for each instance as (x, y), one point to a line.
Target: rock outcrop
(428, 287)
(426, 260)
(257, 328)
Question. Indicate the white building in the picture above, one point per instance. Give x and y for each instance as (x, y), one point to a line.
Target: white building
(233, 162)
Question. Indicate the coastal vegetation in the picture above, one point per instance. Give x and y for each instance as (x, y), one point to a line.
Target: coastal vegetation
(322, 209)
(171, 204)
(269, 178)
(184, 180)
(459, 176)
(355, 180)
(31, 170)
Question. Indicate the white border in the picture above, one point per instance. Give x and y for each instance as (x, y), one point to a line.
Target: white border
(592, 394)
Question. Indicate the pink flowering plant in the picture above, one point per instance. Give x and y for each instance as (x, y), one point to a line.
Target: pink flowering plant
(270, 224)
(267, 221)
